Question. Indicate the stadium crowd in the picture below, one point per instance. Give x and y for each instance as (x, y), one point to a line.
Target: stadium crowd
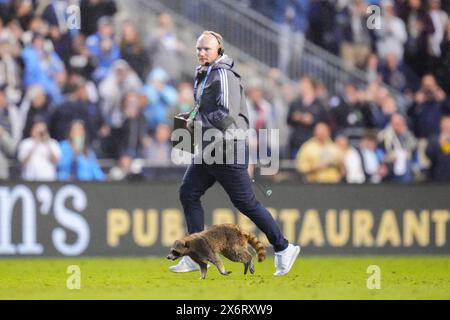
(69, 97)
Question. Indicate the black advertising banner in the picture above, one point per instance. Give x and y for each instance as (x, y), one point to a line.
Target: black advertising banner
(142, 219)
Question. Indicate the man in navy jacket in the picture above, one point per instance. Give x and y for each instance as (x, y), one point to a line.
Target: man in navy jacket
(221, 106)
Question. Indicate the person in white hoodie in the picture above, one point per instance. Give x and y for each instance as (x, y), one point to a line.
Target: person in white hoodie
(39, 154)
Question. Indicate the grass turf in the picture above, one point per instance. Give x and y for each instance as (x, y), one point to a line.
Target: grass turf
(149, 278)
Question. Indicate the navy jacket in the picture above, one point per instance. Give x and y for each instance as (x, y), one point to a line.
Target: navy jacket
(222, 104)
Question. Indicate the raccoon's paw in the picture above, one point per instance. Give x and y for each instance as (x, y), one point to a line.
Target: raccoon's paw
(226, 273)
(252, 268)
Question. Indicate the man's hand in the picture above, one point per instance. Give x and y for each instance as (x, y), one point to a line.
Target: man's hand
(303, 117)
(184, 115)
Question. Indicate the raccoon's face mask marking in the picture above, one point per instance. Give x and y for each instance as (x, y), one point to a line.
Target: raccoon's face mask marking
(173, 255)
(178, 250)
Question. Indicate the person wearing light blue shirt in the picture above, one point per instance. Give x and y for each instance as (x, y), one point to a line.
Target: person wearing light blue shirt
(78, 161)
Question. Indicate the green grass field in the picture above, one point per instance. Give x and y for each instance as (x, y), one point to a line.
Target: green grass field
(149, 278)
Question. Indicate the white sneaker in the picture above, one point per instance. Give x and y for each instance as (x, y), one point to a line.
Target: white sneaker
(284, 260)
(186, 264)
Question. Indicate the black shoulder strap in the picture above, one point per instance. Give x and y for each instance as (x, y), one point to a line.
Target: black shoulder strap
(363, 163)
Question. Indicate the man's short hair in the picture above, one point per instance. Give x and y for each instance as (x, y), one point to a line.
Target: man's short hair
(219, 39)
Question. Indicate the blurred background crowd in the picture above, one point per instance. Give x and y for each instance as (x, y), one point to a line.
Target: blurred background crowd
(72, 100)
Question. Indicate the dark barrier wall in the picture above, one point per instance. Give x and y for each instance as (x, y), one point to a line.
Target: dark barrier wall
(121, 219)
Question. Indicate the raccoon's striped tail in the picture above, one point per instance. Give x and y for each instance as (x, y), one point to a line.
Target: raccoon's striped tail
(257, 245)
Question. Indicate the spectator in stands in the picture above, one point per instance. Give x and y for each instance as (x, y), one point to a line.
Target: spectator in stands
(134, 128)
(398, 75)
(39, 154)
(260, 110)
(185, 101)
(261, 117)
(392, 37)
(158, 148)
(77, 106)
(78, 161)
(292, 17)
(4, 10)
(438, 151)
(373, 69)
(426, 110)
(440, 20)
(35, 104)
(323, 21)
(7, 149)
(11, 34)
(280, 94)
(371, 158)
(161, 97)
(18, 38)
(120, 80)
(103, 48)
(22, 11)
(10, 70)
(382, 115)
(10, 119)
(92, 11)
(304, 113)
(353, 168)
(353, 114)
(319, 159)
(166, 50)
(443, 71)
(132, 49)
(419, 27)
(37, 26)
(399, 146)
(44, 67)
(57, 16)
(355, 43)
(81, 61)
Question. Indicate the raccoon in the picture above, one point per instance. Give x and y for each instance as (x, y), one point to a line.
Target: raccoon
(226, 239)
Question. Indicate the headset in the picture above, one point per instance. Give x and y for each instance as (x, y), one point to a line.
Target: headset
(219, 39)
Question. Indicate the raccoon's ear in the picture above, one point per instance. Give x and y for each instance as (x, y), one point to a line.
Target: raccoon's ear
(180, 243)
